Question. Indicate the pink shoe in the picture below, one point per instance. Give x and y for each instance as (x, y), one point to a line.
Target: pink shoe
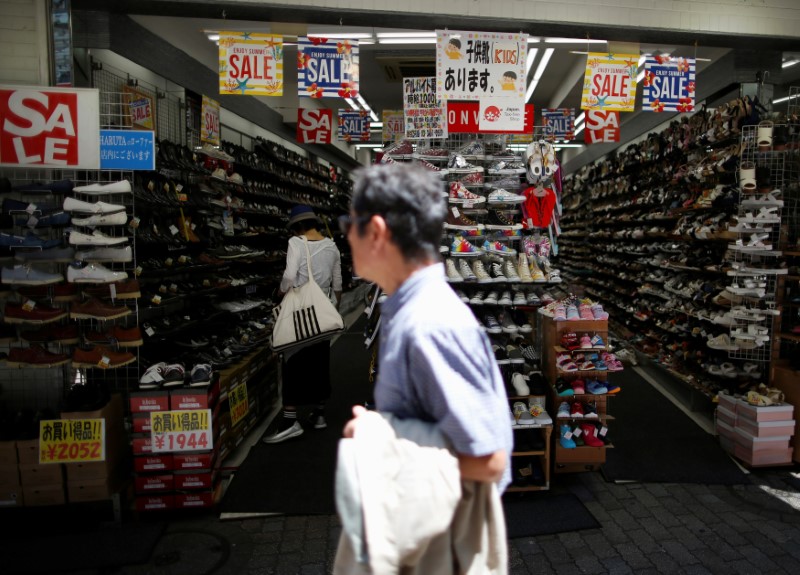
(585, 311)
(598, 312)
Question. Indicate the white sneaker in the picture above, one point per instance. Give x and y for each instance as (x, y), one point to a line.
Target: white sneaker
(94, 273)
(491, 299)
(466, 271)
(481, 273)
(477, 299)
(520, 385)
(153, 376)
(510, 271)
(73, 205)
(452, 272)
(117, 255)
(121, 187)
(519, 298)
(288, 433)
(505, 298)
(117, 219)
(523, 269)
(96, 238)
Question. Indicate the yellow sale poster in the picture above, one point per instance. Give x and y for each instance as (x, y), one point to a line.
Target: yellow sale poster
(610, 82)
(250, 64)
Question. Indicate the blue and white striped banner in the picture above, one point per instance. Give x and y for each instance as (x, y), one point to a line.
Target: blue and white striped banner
(668, 84)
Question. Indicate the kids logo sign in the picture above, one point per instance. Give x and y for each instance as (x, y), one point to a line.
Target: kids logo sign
(49, 127)
(314, 126)
(601, 127)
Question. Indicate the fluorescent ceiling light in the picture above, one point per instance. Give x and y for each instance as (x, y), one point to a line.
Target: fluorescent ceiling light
(406, 34)
(406, 40)
(573, 41)
(213, 37)
(340, 35)
(642, 58)
(376, 125)
(580, 118)
(569, 145)
(359, 146)
(786, 99)
(539, 71)
(351, 103)
(533, 39)
(789, 63)
(579, 129)
(531, 57)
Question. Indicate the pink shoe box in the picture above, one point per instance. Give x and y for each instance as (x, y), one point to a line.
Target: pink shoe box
(729, 445)
(766, 428)
(769, 413)
(725, 430)
(727, 401)
(781, 456)
(725, 416)
(752, 443)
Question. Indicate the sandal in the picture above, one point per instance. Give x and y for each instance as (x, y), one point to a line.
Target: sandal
(564, 363)
(747, 177)
(535, 161)
(764, 134)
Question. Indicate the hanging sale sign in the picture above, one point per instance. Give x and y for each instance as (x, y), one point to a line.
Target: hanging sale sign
(353, 126)
(49, 127)
(668, 84)
(601, 126)
(250, 64)
(559, 123)
(327, 68)
(209, 124)
(423, 112)
(314, 126)
(393, 125)
(610, 82)
(464, 118)
(475, 65)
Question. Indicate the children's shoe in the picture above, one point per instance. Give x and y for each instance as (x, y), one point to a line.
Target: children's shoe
(611, 388)
(596, 387)
(586, 342)
(576, 410)
(462, 248)
(578, 387)
(498, 248)
(589, 411)
(590, 438)
(598, 312)
(585, 311)
(569, 340)
(564, 389)
(597, 342)
(480, 272)
(563, 410)
(565, 439)
(572, 313)
(560, 312)
(564, 363)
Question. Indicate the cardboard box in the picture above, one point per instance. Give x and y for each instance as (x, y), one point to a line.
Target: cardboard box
(199, 398)
(753, 443)
(92, 470)
(32, 474)
(28, 450)
(187, 480)
(155, 502)
(767, 428)
(194, 500)
(36, 495)
(783, 412)
(111, 412)
(581, 454)
(153, 483)
(195, 461)
(11, 496)
(725, 416)
(149, 401)
(9, 476)
(8, 453)
(727, 401)
(764, 457)
(92, 489)
(153, 462)
(725, 430)
(141, 423)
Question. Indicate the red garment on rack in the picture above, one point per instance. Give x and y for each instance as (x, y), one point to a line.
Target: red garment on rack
(540, 208)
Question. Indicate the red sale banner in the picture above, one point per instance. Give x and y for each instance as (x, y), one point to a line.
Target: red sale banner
(601, 127)
(314, 126)
(464, 117)
(49, 127)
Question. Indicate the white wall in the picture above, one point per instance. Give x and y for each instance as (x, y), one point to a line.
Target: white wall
(24, 53)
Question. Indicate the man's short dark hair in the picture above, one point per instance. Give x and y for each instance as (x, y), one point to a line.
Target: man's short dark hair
(409, 199)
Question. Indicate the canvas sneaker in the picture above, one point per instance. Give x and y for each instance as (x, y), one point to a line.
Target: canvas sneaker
(462, 296)
(533, 298)
(316, 419)
(523, 270)
(510, 271)
(506, 183)
(507, 323)
(519, 298)
(480, 272)
(25, 274)
(96, 189)
(466, 272)
(294, 431)
(96, 238)
(462, 248)
(115, 255)
(497, 273)
(491, 324)
(95, 273)
(399, 148)
(117, 219)
(452, 272)
(501, 196)
(473, 150)
(505, 298)
(461, 195)
(537, 275)
(74, 205)
(457, 164)
(477, 298)
(563, 409)
(441, 172)
(498, 248)
(432, 154)
(506, 167)
(496, 220)
(491, 298)
(458, 221)
(472, 179)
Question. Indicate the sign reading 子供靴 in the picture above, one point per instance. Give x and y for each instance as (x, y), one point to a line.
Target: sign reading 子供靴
(250, 64)
(49, 127)
(668, 84)
(327, 68)
(610, 82)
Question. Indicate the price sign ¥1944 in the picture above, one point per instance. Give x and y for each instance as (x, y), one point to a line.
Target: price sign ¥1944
(186, 430)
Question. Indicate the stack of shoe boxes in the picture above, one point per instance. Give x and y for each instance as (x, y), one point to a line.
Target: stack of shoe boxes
(95, 481)
(759, 436)
(42, 484)
(10, 488)
(152, 480)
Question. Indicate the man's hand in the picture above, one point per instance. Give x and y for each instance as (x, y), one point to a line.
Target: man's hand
(488, 468)
(350, 426)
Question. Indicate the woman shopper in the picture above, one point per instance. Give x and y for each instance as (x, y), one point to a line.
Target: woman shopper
(306, 372)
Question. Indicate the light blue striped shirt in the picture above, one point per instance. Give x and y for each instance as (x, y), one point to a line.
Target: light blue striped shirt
(436, 364)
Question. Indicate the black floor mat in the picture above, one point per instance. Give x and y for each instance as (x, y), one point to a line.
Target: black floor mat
(545, 513)
(654, 441)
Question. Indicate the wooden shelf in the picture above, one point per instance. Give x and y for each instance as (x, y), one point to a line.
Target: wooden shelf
(587, 419)
(525, 453)
(544, 487)
(788, 336)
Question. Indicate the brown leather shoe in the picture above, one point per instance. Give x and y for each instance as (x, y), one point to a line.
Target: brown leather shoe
(57, 292)
(119, 336)
(101, 356)
(34, 356)
(125, 289)
(38, 315)
(93, 308)
(64, 334)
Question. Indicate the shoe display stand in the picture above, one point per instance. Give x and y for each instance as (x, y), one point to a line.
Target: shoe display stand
(584, 457)
(650, 231)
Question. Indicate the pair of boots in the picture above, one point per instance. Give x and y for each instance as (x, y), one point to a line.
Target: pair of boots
(588, 436)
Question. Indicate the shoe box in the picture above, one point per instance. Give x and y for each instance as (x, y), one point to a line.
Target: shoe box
(10, 486)
(194, 398)
(787, 379)
(149, 401)
(759, 436)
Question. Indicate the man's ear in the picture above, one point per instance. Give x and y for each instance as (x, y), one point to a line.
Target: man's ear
(379, 231)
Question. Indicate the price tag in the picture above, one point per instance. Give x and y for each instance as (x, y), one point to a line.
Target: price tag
(183, 260)
(162, 288)
(455, 211)
(71, 440)
(29, 305)
(577, 432)
(156, 299)
(206, 283)
(168, 262)
(568, 435)
(31, 208)
(186, 430)
(134, 223)
(113, 289)
(179, 188)
(530, 223)
(149, 331)
(237, 399)
(603, 431)
(104, 362)
(32, 221)
(138, 271)
(173, 230)
(151, 185)
(173, 288)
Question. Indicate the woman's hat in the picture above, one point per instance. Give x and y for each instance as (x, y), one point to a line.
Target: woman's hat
(300, 213)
